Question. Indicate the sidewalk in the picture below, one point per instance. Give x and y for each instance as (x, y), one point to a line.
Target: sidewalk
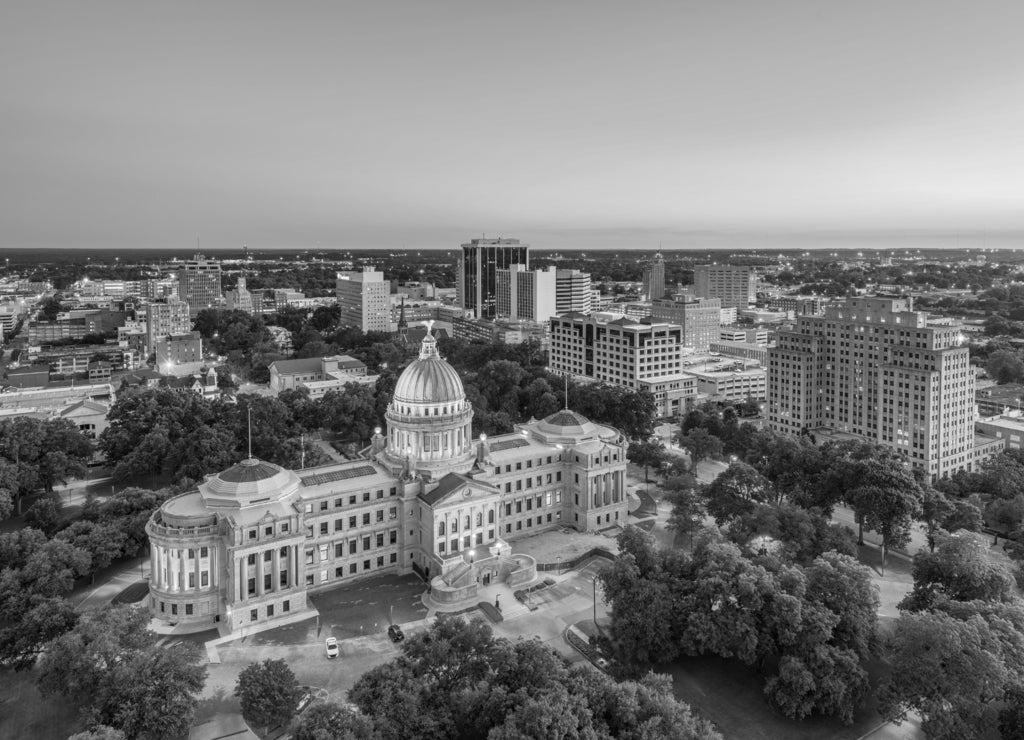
(101, 594)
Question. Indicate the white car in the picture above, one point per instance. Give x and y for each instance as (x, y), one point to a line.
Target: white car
(332, 647)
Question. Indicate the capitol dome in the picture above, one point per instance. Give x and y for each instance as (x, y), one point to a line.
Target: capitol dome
(429, 419)
(429, 379)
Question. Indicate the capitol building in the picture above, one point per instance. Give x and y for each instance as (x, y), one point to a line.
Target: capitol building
(248, 544)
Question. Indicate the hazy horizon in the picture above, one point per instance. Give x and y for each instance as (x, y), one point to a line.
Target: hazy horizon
(567, 125)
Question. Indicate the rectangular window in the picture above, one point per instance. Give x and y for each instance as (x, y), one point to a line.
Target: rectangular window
(366, 518)
(380, 515)
(393, 512)
(191, 580)
(380, 493)
(284, 528)
(267, 555)
(351, 522)
(380, 561)
(366, 563)
(351, 500)
(508, 528)
(337, 503)
(251, 558)
(309, 579)
(254, 615)
(251, 586)
(366, 496)
(338, 524)
(204, 552)
(380, 539)
(286, 606)
(268, 582)
(352, 568)
(309, 557)
(270, 610)
(353, 547)
(394, 491)
(455, 545)
(490, 534)
(323, 506)
(204, 578)
(519, 525)
(394, 557)
(366, 543)
(284, 579)
(323, 527)
(339, 572)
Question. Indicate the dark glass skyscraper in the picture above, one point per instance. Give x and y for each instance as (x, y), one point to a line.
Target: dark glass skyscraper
(478, 266)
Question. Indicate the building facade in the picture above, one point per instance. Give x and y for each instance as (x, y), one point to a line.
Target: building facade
(653, 278)
(621, 351)
(169, 318)
(247, 545)
(700, 319)
(521, 293)
(239, 299)
(477, 277)
(734, 285)
(875, 368)
(364, 299)
(199, 284)
(574, 292)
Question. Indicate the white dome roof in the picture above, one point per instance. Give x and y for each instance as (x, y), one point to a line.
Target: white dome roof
(429, 379)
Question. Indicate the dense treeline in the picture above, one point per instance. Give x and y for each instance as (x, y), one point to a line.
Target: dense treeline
(457, 680)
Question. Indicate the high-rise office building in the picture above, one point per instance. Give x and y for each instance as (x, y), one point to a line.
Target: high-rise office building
(875, 368)
(364, 299)
(239, 299)
(199, 284)
(573, 292)
(654, 278)
(521, 293)
(168, 318)
(734, 285)
(477, 279)
(700, 319)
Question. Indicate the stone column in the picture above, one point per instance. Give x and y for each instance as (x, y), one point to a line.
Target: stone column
(259, 573)
(183, 569)
(171, 583)
(198, 570)
(153, 571)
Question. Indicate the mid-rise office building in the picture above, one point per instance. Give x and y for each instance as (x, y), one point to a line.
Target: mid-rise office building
(574, 292)
(168, 318)
(653, 278)
(247, 546)
(734, 285)
(180, 354)
(199, 284)
(876, 368)
(477, 278)
(521, 293)
(699, 319)
(364, 300)
(620, 351)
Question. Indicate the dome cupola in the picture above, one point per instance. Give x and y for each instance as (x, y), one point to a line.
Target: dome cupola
(429, 419)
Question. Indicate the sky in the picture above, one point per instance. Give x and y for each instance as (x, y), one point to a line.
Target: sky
(566, 124)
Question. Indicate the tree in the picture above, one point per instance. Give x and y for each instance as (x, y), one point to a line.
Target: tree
(700, 445)
(647, 453)
(687, 507)
(330, 721)
(268, 692)
(736, 491)
(887, 500)
(950, 671)
(962, 568)
(1005, 366)
(111, 666)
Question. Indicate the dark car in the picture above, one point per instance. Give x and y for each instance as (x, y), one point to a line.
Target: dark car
(395, 633)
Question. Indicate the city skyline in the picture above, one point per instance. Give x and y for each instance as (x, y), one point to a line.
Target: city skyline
(568, 126)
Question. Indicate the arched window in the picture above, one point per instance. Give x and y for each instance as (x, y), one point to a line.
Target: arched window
(440, 528)
(468, 525)
(479, 520)
(490, 516)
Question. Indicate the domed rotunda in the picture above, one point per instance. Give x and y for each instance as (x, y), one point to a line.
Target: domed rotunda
(429, 419)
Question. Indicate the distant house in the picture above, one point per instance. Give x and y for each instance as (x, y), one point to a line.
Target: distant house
(88, 415)
(317, 374)
(202, 383)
